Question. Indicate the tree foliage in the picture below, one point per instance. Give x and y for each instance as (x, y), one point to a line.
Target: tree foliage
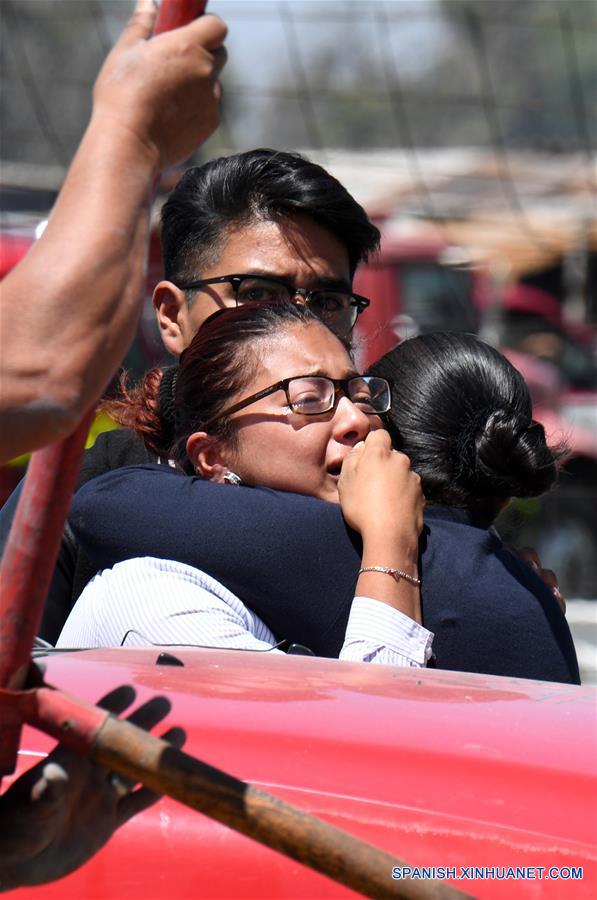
(519, 72)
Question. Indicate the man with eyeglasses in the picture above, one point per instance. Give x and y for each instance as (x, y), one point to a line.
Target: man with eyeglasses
(260, 225)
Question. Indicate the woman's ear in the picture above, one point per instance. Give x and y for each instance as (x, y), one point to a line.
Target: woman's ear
(206, 455)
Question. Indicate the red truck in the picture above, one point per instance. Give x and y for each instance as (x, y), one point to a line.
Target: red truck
(487, 783)
(417, 284)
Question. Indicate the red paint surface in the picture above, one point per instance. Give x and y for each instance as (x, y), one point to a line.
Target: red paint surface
(440, 768)
(380, 279)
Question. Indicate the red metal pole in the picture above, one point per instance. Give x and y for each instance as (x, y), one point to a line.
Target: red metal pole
(29, 559)
(34, 541)
(174, 13)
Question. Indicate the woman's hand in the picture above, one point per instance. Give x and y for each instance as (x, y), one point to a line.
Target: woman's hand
(381, 497)
(379, 492)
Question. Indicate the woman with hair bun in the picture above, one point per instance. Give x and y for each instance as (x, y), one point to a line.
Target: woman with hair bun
(462, 414)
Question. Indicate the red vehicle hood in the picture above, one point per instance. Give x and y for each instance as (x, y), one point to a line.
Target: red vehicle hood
(439, 768)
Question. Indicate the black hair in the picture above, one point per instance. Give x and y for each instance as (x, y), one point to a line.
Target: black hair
(463, 415)
(259, 185)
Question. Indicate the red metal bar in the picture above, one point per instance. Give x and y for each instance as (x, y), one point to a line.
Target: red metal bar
(34, 541)
(29, 559)
(32, 547)
(68, 719)
(174, 13)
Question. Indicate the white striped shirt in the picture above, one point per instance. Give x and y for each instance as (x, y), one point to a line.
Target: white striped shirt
(156, 601)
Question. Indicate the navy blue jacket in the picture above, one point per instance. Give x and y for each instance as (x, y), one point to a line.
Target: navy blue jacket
(293, 561)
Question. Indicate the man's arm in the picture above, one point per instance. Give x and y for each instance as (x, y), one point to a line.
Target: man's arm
(69, 310)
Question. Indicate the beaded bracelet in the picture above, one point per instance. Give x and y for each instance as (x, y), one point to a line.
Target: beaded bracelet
(396, 574)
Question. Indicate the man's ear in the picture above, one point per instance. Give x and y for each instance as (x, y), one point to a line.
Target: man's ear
(171, 309)
(207, 456)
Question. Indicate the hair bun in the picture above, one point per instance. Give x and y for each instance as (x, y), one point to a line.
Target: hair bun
(512, 457)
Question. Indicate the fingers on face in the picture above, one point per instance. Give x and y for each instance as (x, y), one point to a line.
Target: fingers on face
(379, 438)
(377, 443)
(354, 453)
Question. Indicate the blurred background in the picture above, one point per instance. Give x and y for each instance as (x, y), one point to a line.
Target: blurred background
(467, 129)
